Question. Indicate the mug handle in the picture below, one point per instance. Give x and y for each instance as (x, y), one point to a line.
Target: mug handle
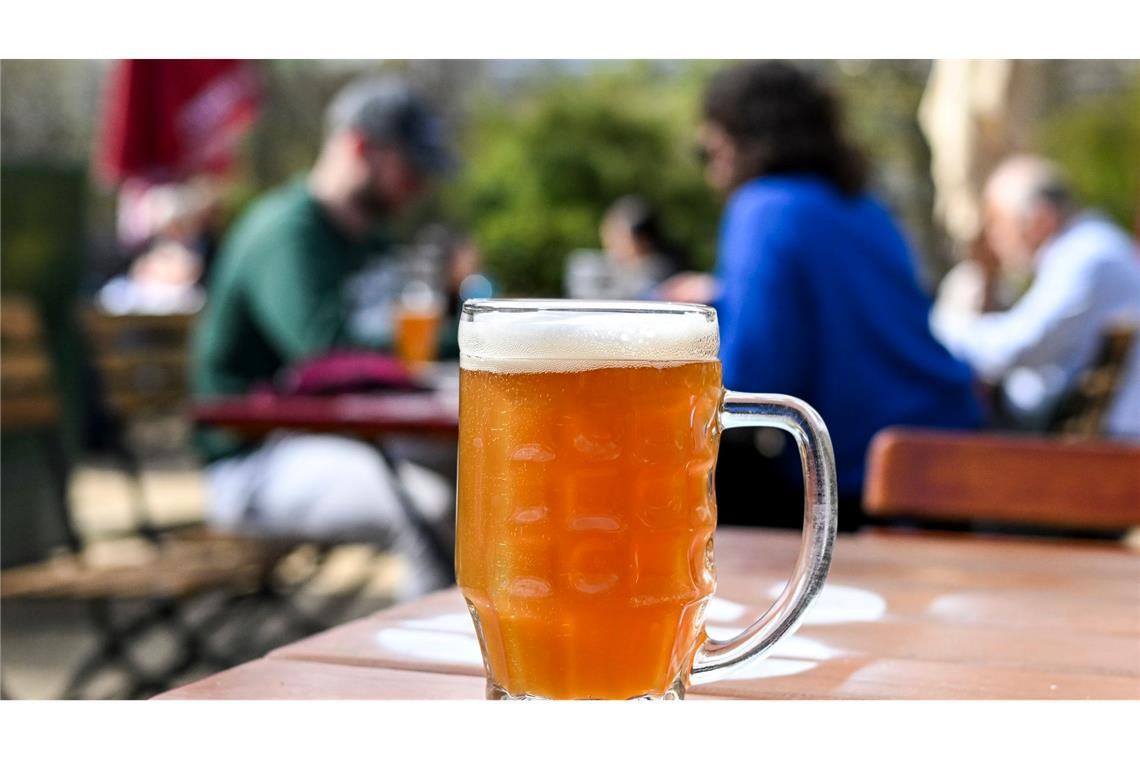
(717, 659)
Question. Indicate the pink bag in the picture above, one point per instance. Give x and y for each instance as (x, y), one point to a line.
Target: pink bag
(347, 372)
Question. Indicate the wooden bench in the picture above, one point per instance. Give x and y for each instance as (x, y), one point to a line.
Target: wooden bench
(163, 569)
(1064, 483)
(142, 360)
(1083, 408)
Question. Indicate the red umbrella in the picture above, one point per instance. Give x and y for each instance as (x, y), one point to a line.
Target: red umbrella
(165, 120)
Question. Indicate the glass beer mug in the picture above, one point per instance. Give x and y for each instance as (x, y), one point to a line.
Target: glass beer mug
(587, 446)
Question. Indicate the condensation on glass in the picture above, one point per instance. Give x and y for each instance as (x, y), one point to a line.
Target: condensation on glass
(586, 508)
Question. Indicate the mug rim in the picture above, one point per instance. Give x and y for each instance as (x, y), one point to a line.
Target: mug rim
(474, 307)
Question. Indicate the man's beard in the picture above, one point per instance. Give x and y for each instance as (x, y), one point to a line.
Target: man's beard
(369, 203)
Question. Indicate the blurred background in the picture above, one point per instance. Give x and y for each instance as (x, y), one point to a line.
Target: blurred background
(570, 136)
(109, 231)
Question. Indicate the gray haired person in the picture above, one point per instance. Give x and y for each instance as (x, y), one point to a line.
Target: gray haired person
(1086, 279)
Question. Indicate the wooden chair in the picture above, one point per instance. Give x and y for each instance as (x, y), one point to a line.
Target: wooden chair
(142, 360)
(1082, 410)
(1058, 483)
(140, 370)
(159, 572)
(142, 367)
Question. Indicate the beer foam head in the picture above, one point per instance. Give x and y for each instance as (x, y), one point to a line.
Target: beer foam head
(506, 335)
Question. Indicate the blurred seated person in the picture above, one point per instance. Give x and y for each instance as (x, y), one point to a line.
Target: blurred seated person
(638, 253)
(460, 263)
(165, 278)
(162, 280)
(816, 290)
(1086, 280)
(278, 297)
(977, 283)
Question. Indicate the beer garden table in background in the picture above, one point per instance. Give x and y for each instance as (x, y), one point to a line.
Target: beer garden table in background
(903, 616)
(362, 415)
(371, 417)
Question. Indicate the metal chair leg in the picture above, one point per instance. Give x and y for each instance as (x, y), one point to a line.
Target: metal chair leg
(112, 650)
(131, 467)
(442, 554)
(58, 473)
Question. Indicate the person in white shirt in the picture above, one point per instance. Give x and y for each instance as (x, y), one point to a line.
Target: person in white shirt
(1086, 279)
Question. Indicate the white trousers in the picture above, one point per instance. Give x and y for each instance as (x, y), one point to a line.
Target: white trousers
(328, 488)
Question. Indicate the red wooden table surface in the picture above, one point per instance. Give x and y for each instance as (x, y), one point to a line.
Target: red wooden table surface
(363, 415)
(902, 616)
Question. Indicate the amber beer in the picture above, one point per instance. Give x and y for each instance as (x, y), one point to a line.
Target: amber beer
(586, 507)
(418, 315)
(417, 335)
(588, 440)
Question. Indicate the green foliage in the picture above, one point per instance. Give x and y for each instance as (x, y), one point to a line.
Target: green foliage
(41, 257)
(542, 169)
(880, 102)
(1098, 144)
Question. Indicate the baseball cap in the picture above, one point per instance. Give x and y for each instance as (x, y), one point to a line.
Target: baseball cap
(386, 110)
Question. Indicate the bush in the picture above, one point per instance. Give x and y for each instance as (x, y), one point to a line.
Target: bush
(541, 170)
(1098, 144)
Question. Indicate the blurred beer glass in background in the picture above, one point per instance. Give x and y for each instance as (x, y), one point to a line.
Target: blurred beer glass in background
(418, 316)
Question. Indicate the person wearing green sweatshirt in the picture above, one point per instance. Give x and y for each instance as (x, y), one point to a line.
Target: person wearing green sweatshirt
(279, 295)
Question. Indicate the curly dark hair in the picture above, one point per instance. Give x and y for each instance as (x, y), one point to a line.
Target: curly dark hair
(782, 121)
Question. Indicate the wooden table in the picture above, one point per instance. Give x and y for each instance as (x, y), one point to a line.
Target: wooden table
(422, 413)
(904, 616)
(371, 417)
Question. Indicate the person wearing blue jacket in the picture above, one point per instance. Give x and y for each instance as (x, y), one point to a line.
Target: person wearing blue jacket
(816, 290)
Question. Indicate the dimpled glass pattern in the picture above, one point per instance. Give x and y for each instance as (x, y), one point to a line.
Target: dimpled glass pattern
(586, 517)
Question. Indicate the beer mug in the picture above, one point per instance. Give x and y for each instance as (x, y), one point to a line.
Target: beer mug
(419, 314)
(588, 441)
